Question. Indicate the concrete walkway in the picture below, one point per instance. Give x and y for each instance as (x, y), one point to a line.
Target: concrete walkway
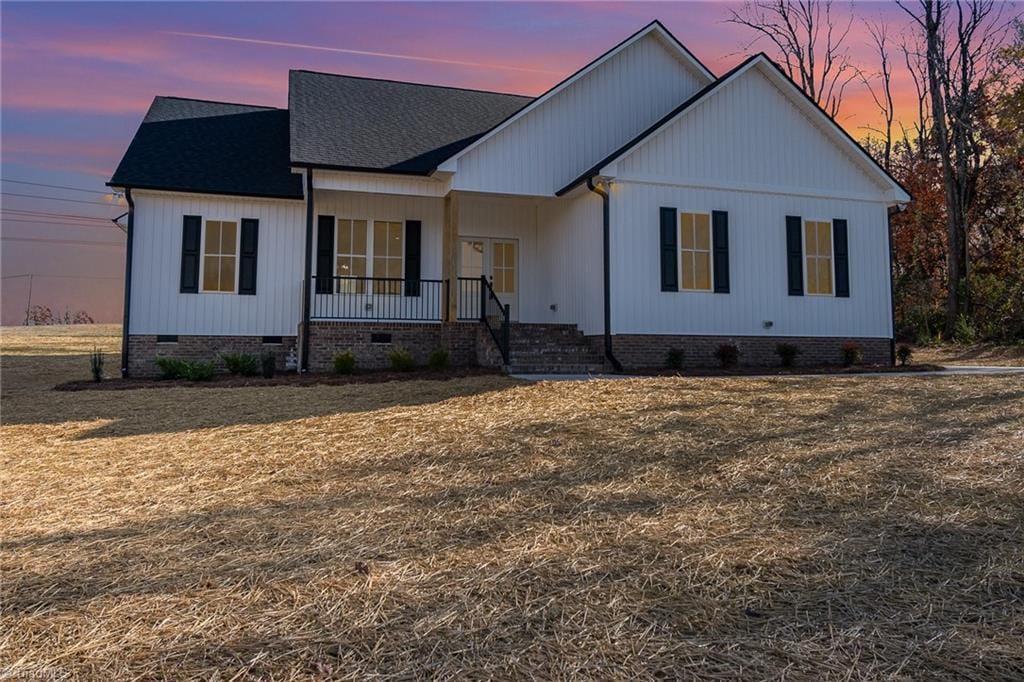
(950, 370)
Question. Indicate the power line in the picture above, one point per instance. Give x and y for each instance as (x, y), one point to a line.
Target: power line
(77, 242)
(34, 274)
(72, 201)
(43, 184)
(58, 224)
(54, 215)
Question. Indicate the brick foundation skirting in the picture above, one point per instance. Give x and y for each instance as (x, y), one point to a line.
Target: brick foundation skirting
(144, 349)
(647, 351)
(467, 343)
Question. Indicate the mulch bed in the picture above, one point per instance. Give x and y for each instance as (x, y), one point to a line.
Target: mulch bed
(784, 371)
(282, 379)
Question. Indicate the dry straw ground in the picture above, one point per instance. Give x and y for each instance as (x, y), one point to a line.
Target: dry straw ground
(719, 528)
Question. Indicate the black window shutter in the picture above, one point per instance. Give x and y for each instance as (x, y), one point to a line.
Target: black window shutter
(795, 255)
(413, 230)
(324, 254)
(191, 230)
(720, 250)
(247, 256)
(669, 250)
(841, 252)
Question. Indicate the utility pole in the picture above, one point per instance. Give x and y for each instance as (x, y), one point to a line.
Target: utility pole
(28, 306)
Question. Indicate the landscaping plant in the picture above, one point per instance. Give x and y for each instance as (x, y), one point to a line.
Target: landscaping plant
(852, 354)
(345, 363)
(268, 365)
(96, 364)
(246, 364)
(439, 359)
(401, 360)
(174, 368)
(728, 355)
(787, 353)
(904, 353)
(674, 358)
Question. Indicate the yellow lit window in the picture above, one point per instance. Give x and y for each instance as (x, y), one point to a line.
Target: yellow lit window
(387, 256)
(220, 251)
(818, 252)
(504, 267)
(350, 257)
(695, 238)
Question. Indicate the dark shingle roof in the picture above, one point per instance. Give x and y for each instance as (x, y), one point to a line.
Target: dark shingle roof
(213, 147)
(362, 123)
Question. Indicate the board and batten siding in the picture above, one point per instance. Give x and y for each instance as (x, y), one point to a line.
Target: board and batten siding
(749, 135)
(549, 146)
(158, 307)
(571, 261)
(370, 207)
(757, 256)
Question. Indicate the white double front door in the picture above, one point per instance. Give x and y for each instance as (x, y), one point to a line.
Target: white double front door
(498, 260)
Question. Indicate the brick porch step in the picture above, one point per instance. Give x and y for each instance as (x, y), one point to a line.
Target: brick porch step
(551, 349)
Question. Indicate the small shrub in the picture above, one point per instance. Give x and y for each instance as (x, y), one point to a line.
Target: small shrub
(246, 364)
(964, 333)
(787, 353)
(96, 364)
(674, 358)
(345, 363)
(268, 365)
(401, 360)
(171, 368)
(199, 371)
(439, 359)
(904, 353)
(728, 355)
(852, 354)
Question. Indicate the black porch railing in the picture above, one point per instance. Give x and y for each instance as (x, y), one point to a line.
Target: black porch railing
(379, 298)
(411, 300)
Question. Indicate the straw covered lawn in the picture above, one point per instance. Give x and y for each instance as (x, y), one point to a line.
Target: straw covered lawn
(652, 528)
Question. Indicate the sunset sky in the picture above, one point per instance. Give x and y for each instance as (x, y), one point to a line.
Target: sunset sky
(77, 79)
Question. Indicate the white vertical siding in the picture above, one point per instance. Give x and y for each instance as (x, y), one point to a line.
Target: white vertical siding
(361, 206)
(551, 145)
(571, 261)
(748, 133)
(757, 259)
(157, 307)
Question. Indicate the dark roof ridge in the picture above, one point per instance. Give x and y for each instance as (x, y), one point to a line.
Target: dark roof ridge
(422, 85)
(218, 101)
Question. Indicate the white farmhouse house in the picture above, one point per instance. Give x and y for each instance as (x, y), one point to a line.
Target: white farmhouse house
(640, 205)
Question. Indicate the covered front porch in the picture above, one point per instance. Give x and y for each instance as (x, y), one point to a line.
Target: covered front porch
(382, 257)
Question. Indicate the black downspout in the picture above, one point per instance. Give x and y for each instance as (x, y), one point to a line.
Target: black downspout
(308, 270)
(127, 281)
(606, 209)
(892, 287)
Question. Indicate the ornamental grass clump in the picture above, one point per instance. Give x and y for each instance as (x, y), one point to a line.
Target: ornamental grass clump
(439, 359)
(96, 364)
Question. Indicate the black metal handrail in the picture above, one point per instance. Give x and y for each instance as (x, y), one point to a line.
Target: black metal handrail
(468, 293)
(379, 298)
(491, 307)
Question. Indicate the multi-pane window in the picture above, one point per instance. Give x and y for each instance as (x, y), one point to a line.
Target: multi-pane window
(387, 256)
(504, 267)
(220, 253)
(350, 257)
(695, 238)
(818, 256)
